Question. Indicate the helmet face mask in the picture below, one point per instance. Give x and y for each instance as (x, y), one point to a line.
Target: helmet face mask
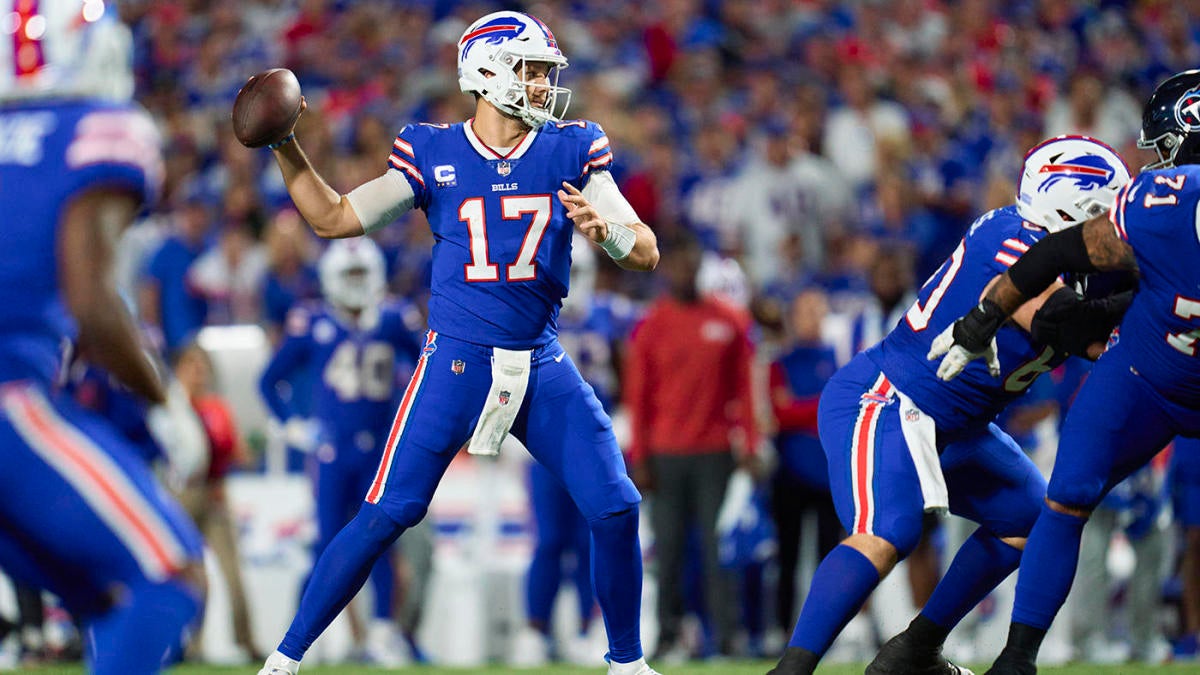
(1068, 180)
(1171, 122)
(494, 61)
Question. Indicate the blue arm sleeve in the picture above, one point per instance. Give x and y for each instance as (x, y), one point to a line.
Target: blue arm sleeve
(292, 354)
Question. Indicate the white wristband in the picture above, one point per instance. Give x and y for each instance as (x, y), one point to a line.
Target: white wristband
(619, 242)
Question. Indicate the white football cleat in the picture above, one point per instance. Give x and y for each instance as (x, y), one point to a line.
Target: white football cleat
(278, 664)
(386, 646)
(639, 667)
(530, 648)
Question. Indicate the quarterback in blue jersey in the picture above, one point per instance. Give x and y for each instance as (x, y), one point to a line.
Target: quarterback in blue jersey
(503, 192)
(901, 443)
(1146, 388)
(83, 516)
(357, 346)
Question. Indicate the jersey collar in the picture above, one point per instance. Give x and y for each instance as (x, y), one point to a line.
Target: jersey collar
(486, 150)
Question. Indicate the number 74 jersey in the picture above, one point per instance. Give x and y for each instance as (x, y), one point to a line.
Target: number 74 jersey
(502, 241)
(991, 246)
(1157, 213)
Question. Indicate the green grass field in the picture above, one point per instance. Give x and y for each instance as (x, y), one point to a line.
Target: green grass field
(739, 668)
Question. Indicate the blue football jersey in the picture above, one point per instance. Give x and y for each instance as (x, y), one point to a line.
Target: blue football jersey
(591, 336)
(50, 153)
(1156, 214)
(502, 241)
(991, 246)
(358, 371)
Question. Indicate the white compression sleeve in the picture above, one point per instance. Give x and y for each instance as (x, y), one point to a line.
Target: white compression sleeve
(380, 201)
(602, 191)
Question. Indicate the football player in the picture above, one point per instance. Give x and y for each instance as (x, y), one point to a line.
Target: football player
(355, 345)
(83, 517)
(503, 193)
(901, 443)
(1145, 389)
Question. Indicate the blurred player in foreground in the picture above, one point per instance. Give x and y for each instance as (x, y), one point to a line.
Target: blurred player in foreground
(355, 344)
(82, 515)
(1145, 389)
(490, 362)
(901, 443)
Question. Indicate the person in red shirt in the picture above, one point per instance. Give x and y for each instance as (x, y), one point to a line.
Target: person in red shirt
(204, 496)
(688, 390)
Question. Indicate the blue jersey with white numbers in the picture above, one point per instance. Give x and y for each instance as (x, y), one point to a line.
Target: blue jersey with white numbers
(1156, 214)
(590, 337)
(991, 246)
(357, 370)
(50, 154)
(502, 241)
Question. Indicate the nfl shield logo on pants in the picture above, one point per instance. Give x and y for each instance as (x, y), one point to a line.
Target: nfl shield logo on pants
(457, 367)
(504, 397)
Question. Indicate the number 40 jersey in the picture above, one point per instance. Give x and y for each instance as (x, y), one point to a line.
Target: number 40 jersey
(502, 240)
(356, 370)
(974, 398)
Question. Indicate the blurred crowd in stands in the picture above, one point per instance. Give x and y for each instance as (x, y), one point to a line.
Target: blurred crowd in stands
(798, 138)
(826, 155)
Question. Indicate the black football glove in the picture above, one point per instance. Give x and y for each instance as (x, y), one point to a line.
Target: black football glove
(1069, 323)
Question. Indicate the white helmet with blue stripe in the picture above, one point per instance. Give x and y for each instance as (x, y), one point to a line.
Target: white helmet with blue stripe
(353, 273)
(64, 49)
(492, 54)
(1067, 180)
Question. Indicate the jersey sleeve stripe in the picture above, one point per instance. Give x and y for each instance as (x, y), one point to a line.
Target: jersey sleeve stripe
(598, 145)
(601, 160)
(405, 147)
(1016, 245)
(398, 163)
(1116, 214)
(1006, 259)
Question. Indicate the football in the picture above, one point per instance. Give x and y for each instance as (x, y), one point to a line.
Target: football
(266, 107)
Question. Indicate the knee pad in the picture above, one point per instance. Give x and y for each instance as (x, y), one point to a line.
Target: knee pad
(609, 502)
(1076, 492)
(903, 532)
(382, 525)
(626, 519)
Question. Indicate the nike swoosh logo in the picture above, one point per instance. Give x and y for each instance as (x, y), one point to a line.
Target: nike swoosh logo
(1132, 191)
(559, 358)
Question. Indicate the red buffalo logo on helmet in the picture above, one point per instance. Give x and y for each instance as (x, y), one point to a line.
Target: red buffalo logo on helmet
(1187, 110)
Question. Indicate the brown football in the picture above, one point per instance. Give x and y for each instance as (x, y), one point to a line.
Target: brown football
(266, 108)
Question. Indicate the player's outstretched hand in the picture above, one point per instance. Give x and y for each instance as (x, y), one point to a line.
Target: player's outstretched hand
(957, 356)
(584, 215)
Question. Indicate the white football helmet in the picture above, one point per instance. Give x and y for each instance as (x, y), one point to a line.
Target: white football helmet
(583, 276)
(1067, 180)
(491, 62)
(352, 273)
(64, 49)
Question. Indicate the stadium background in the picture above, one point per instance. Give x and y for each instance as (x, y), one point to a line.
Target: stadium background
(802, 141)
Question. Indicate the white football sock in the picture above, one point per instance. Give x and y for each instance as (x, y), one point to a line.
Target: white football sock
(631, 668)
